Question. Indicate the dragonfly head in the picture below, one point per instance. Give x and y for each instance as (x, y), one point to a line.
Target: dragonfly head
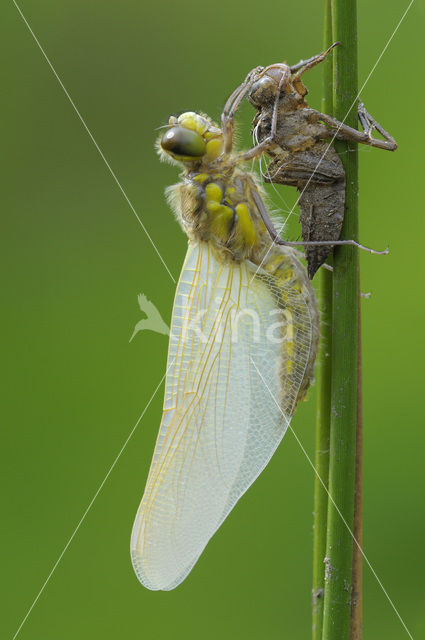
(191, 138)
(276, 77)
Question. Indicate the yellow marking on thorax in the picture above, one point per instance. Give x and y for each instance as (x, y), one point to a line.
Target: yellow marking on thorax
(244, 225)
(213, 192)
(201, 177)
(231, 195)
(220, 220)
(228, 218)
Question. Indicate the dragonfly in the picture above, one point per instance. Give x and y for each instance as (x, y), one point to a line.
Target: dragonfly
(243, 341)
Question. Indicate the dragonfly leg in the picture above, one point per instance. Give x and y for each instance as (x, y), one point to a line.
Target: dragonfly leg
(231, 106)
(369, 124)
(262, 209)
(327, 243)
(306, 65)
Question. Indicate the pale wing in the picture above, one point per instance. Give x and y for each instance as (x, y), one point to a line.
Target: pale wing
(228, 402)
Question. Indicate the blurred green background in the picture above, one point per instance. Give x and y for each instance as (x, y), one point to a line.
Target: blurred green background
(74, 260)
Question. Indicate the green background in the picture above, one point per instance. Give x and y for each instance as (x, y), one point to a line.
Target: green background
(74, 260)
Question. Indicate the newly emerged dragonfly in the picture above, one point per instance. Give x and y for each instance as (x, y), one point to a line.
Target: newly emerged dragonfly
(243, 342)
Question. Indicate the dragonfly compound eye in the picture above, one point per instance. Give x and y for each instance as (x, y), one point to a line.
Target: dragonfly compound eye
(183, 142)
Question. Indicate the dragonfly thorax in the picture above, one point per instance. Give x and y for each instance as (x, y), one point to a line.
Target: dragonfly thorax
(218, 207)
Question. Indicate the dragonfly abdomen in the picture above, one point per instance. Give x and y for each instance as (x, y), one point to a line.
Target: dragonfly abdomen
(296, 298)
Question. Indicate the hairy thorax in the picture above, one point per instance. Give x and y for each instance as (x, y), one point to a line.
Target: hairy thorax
(218, 207)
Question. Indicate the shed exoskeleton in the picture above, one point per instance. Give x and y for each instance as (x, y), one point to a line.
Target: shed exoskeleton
(300, 148)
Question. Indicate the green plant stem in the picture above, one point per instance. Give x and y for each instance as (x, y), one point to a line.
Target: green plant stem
(356, 631)
(339, 544)
(324, 363)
